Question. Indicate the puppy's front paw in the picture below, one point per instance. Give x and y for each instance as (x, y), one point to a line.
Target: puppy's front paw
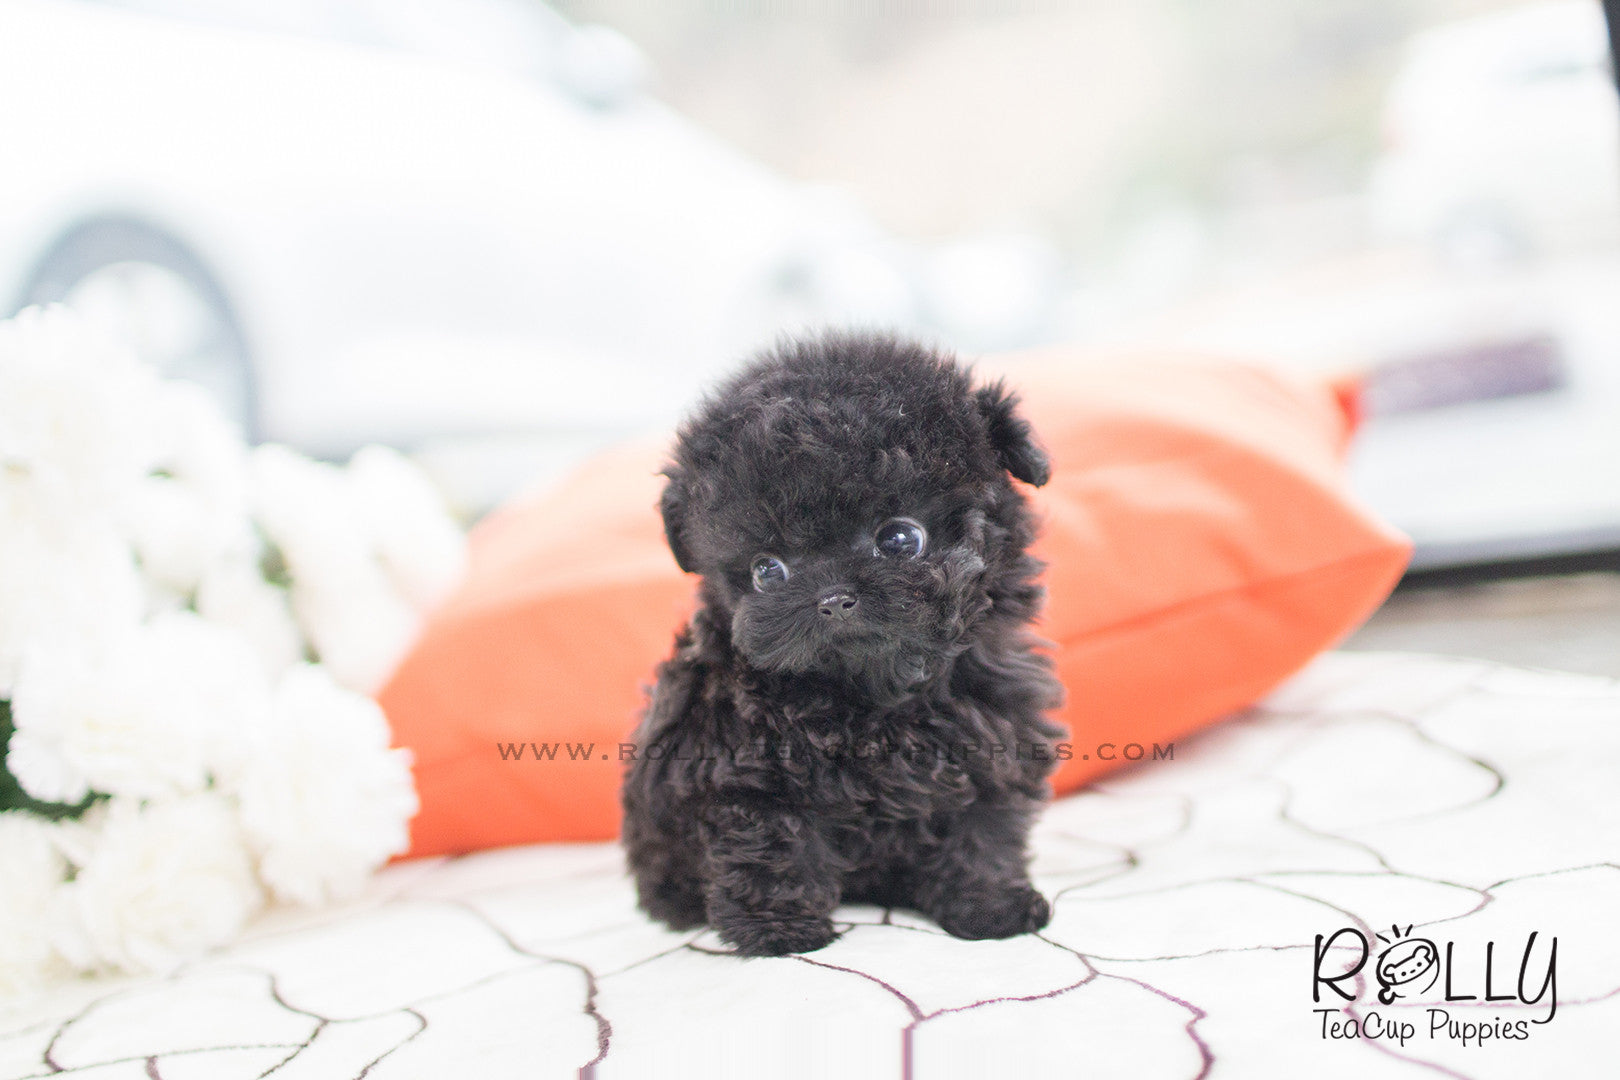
(762, 935)
(679, 905)
(976, 914)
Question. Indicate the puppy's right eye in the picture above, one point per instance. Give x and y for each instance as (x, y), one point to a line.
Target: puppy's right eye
(900, 538)
(768, 570)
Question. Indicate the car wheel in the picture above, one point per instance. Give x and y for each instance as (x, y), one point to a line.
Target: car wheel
(150, 291)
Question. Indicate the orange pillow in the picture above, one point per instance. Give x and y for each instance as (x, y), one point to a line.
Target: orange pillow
(1200, 544)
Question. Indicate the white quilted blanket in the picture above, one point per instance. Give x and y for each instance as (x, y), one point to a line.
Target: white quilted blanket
(1472, 803)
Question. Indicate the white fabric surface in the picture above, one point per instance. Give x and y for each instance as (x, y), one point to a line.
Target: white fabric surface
(1475, 801)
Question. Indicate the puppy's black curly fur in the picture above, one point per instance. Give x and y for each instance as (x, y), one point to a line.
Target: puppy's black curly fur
(855, 711)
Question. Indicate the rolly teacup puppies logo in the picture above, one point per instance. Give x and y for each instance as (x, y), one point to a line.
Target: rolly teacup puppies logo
(1411, 969)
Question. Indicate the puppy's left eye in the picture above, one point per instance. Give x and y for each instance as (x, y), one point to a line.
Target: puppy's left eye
(900, 538)
(768, 570)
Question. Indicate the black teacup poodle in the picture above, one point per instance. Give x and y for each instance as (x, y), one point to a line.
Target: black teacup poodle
(855, 712)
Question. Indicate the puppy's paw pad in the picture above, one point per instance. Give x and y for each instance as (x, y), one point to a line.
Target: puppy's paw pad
(779, 937)
(979, 915)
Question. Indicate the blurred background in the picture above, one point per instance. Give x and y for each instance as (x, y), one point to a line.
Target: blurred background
(500, 233)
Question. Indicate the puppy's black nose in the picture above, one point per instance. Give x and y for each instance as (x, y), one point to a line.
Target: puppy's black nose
(836, 605)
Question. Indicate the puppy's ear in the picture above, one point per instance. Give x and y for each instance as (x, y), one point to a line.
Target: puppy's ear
(672, 504)
(1012, 436)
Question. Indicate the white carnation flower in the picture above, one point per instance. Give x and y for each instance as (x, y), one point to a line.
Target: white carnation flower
(62, 590)
(34, 870)
(77, 438)
(225, 687)
(202, 448)
(233, 593)
(345, 601)
(179, 535)
(76, 427)
(323, 799)
(193, 512)
(160, 883)
(144, 717)
(420, 545)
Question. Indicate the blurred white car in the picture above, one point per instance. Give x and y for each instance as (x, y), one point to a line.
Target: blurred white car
(401, 220)
(1503, 135)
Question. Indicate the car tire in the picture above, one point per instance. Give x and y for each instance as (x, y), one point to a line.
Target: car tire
(108, 263)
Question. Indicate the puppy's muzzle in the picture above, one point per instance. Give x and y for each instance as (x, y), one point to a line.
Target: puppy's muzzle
(836, 604)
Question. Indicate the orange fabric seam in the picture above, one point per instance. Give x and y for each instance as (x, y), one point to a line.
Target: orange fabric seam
(1247, 588)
